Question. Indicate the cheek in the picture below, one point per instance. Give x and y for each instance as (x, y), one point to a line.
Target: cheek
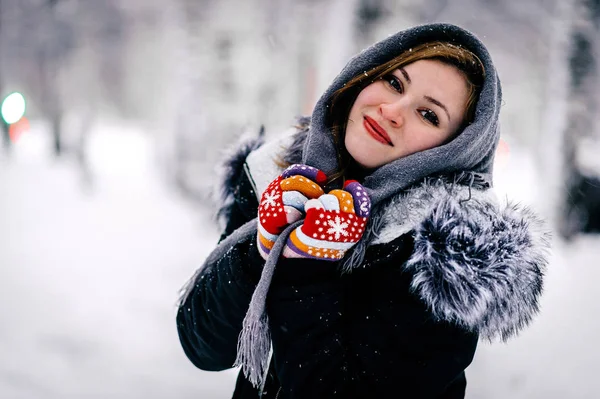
(427, 140)
(369, 96)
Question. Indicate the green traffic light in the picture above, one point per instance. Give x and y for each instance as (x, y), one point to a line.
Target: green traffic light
(13, 108)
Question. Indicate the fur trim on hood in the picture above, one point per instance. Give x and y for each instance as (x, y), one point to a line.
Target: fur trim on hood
(230, 170)
(475, 262)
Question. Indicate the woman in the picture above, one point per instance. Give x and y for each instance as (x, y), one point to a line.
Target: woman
(387, 257)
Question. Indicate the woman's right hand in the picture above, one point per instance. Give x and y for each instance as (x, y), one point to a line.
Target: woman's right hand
(283, 202)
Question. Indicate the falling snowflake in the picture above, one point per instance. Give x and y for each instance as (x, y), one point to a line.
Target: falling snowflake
(270, 199)
(338, 227)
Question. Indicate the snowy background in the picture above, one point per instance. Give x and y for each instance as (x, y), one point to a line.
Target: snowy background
(99, 232)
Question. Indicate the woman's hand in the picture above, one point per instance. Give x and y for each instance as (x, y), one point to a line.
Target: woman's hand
(284, 200)
(334, 223)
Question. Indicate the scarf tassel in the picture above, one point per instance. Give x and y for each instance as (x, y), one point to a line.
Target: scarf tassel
(254, 341)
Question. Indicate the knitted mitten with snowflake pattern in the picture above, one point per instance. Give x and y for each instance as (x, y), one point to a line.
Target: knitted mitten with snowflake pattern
(333, 224)
(283, 202)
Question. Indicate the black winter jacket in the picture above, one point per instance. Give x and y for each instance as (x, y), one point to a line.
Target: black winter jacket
(358, 335)
(448, 266)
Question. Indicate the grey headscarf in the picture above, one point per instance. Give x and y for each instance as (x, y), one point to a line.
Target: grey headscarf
(471, 151)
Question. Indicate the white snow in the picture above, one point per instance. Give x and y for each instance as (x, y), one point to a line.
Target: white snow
(89, 279)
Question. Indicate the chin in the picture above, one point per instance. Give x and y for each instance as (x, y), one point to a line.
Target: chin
(364, 161)
(365, 164)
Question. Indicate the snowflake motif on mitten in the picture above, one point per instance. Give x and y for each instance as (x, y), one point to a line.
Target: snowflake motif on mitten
(337, 228)
(270, 210)
(270, 199)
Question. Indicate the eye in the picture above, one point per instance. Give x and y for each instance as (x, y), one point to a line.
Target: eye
(394, 82)
(430, 116)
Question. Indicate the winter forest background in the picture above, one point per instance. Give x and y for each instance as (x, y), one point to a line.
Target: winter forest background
(105, 206)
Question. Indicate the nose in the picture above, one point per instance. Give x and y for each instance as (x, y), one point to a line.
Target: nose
(393, 113)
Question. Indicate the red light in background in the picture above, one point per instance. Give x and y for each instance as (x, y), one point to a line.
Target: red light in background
(16, 129)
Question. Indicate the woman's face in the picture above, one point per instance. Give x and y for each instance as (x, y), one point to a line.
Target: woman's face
(414, 108)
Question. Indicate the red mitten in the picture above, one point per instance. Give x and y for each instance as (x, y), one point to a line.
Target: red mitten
(334, 223)
(283, 202)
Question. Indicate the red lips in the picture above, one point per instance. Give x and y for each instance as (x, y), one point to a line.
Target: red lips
(377, 131)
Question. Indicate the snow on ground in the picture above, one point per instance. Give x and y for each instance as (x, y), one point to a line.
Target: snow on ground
(89, 281)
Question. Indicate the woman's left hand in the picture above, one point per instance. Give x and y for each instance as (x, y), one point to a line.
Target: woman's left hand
(334, 223)
(282, 203)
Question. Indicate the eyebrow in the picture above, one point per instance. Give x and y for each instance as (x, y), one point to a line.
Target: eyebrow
(405, 74)
(430, 99)
(439, 104)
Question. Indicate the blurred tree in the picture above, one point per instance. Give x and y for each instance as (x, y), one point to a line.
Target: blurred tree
(64, 54)
(369, 14)
(53, 41)
(37, 42)
(238, 65)
(3, 125)
(580, 205)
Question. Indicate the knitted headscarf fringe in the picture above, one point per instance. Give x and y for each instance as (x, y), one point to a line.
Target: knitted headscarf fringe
(254, 341)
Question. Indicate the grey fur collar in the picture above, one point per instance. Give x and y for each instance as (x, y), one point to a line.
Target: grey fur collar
(404, 212)
(476, 262)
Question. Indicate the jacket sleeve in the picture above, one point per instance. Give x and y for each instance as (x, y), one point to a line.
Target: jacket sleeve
(362, 334)
(210, 317)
